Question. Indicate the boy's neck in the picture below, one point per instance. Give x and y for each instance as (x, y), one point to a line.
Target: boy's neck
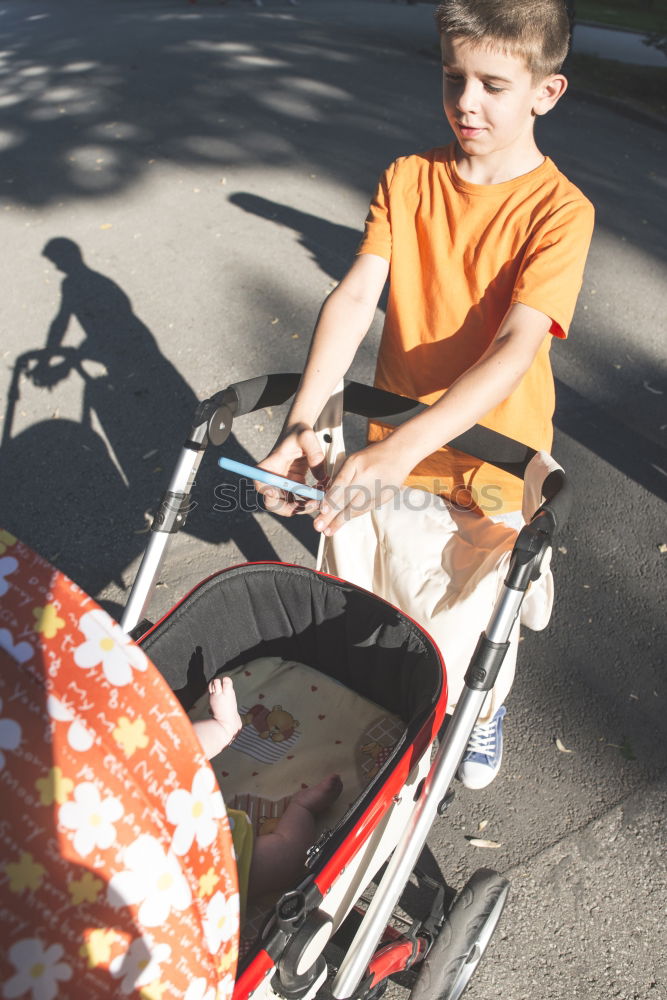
(497, 167)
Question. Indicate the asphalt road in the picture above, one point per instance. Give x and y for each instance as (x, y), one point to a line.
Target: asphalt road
(210, 167)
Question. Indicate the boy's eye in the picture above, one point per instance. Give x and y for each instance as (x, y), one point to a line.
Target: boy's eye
(493, 90)
(453, 77)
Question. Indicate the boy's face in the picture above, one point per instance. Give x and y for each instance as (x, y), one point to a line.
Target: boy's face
(490, 98)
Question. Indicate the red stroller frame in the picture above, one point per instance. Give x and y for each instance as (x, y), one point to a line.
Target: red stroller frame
(304, 936)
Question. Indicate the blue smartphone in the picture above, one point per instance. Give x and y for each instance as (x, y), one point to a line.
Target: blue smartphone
(252, 472)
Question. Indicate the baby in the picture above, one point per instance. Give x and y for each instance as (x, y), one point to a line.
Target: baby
(278, 857)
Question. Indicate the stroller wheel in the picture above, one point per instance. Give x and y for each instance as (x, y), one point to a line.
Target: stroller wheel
(466, 932)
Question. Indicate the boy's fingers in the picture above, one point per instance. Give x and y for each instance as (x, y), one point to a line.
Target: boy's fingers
(313, 453)
(319, 470)
(283, 503)
(335, 501)
(359, 501)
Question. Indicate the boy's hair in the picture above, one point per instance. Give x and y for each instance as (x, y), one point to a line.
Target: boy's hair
(536, 30)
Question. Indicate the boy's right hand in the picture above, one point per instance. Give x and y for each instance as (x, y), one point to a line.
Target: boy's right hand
(296, 451)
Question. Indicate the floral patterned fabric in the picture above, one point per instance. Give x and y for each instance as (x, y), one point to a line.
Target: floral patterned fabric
(117, 875)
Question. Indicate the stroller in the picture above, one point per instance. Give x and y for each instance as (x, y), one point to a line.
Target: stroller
(347, 636)
(348, 655)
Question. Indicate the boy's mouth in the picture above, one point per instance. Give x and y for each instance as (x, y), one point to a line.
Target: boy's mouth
(468, 132)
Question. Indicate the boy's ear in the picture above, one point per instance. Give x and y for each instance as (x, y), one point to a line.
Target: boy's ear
(548, 93)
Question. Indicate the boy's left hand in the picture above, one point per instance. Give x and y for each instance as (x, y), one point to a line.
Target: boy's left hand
(367, 479)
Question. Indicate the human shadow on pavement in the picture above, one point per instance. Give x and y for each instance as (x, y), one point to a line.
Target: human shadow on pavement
(81, 492)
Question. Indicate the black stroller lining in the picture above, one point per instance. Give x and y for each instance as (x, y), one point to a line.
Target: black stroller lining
(292, 613)
(270, 609)
(273, 609)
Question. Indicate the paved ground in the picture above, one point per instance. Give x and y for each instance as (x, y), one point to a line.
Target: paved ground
(212, 166)
(625, 46)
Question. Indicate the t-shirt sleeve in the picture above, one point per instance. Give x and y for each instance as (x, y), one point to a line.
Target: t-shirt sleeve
(552, 269)
(377, 231)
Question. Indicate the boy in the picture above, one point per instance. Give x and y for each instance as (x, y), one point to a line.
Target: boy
(484, 242)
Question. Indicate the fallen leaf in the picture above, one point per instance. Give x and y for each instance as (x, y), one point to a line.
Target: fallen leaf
(483, 825)
(662, 547)
(106, 225)
(562, 550)
(295, 336)
(635, 697)
(476, 842)
(563, 749)
(274, 321)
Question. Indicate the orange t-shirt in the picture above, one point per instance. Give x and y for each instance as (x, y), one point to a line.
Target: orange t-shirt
(460, 255)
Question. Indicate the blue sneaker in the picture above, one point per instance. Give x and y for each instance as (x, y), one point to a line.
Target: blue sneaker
(484, 753)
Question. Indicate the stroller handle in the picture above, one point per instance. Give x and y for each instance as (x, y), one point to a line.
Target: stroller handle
(212, 425)
(481, 443)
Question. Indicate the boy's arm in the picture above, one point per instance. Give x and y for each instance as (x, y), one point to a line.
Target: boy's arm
(370, 476)
(342, 324)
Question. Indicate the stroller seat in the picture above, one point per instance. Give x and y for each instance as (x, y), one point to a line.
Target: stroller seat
(277, 629)
(286, 627)
(299, 725)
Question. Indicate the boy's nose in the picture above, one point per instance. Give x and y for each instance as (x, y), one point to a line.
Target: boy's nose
(467, 98)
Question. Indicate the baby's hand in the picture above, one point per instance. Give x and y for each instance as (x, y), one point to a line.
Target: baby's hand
(223, 705)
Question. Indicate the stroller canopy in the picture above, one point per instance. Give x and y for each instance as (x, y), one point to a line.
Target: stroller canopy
(117, 875)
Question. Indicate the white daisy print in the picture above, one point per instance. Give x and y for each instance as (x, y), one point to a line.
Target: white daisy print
(198, 990)
(38, 970)
(10, 736)
(195, 813)
(140, 964)
(225, 988)
(91, 817)
(222, 920)
(106, 643)
(78, 736)
(152, 878)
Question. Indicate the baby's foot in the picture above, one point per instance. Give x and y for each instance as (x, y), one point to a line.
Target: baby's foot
(321, 796)
(223, 707)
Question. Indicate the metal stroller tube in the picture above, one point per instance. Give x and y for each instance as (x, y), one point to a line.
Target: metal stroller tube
(441, 775)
